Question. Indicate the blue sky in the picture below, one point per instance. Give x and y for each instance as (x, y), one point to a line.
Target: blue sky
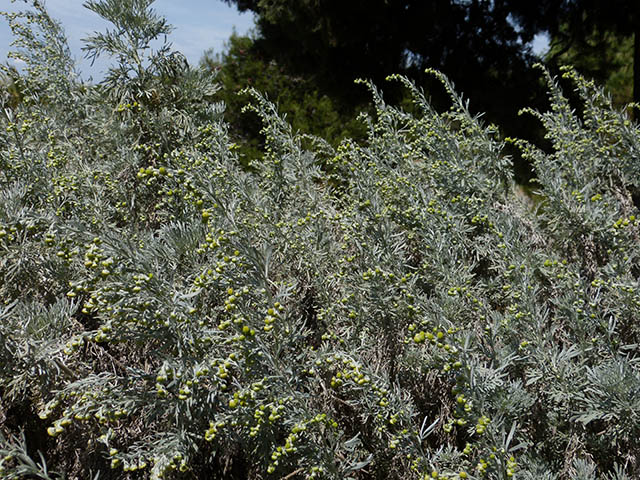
(198, 26)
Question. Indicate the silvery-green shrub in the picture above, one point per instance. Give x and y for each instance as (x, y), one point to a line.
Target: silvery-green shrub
(395, 308)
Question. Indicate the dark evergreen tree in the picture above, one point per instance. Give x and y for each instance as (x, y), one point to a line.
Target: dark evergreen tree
(480, 45)
(586, 30)
(484, 47)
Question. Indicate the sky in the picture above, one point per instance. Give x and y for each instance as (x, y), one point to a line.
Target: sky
(198, 26)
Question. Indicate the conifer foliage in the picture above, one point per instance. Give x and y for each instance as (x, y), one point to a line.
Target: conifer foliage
(399, 313)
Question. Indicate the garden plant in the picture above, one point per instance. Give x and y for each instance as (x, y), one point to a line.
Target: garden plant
(392, 308)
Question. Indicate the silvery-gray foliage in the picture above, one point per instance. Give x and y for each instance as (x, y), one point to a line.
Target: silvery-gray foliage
(390, 309)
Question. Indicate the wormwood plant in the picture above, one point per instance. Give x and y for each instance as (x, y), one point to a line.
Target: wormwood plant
(166, 314)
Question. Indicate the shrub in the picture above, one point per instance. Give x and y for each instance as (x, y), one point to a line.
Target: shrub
(166, 313)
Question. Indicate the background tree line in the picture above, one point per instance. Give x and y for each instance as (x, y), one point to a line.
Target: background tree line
(305, 54)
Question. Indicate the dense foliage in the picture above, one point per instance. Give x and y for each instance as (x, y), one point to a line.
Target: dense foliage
(167, 313)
